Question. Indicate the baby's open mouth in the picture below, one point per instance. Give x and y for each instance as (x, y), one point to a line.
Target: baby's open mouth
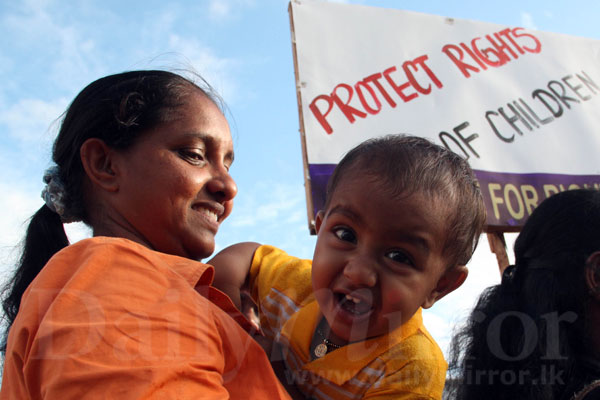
(352, 304)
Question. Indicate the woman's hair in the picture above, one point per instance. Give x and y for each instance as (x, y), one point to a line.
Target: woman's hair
(525, 337)
(409, 164)
(117, 109)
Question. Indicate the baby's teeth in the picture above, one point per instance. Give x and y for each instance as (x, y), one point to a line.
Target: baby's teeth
(354, 299)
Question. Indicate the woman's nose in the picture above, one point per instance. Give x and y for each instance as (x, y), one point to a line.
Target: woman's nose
(361, 272)
(222, 185)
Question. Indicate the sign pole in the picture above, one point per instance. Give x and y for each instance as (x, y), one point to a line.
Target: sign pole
(307, 180)
(498, 247)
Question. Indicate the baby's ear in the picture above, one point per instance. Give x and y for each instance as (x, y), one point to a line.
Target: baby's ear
(319, 219)
(450, 280)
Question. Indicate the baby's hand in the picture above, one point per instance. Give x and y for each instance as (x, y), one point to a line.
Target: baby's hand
(249, 309)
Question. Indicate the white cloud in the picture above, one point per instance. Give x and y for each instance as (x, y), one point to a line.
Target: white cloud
(28, 120)
(227, 9)
(219, 9)
(72, 54)
(219, 72)
(70, 57)
(365, 2)
(527, 21)
(18, 206)
(298, 215)
(285, 201)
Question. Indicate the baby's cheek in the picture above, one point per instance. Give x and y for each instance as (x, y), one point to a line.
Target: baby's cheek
(401, 299)
(394, 297)
(399, 307)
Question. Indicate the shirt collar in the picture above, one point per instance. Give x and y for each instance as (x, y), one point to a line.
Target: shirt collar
(341, 365)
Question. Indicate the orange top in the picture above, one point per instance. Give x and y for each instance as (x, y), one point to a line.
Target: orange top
(109, 318)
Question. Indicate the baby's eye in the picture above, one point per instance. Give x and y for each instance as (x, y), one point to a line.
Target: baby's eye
(194, 156)
(345, 234)
(399, 256)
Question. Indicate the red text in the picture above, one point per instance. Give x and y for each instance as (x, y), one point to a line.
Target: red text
(387, 87)
(493, 51)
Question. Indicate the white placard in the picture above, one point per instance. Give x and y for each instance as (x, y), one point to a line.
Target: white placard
(521, 105)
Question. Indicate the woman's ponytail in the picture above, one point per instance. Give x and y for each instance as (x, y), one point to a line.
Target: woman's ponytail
(45, 236)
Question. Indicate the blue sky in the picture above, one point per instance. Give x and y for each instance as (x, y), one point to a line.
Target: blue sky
(51, 49)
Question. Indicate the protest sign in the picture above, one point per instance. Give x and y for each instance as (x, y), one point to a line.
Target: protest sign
(522, 106)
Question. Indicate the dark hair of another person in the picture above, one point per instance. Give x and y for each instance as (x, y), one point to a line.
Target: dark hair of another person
(526, 336)
(117, 109)
(409, 164)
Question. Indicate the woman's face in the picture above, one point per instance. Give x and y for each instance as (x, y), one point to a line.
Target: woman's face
(176, 188)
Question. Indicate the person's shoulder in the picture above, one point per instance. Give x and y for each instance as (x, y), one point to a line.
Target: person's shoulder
(104, 247)
(419, 345)
(589, 392)
(267, 250)
(270, 254)
(79, 256)
(415, 365)
(107, 253)
(412, 343)
(281, 277)
(413, 337)
(101, 245)
(110, 259)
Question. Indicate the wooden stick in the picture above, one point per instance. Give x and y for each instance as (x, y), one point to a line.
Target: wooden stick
(307, 182)
(498, 247)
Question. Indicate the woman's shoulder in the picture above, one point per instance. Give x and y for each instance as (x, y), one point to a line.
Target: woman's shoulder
(100, 252)
(118, 259)
(104, 247)
(104, 243)
(101, 244)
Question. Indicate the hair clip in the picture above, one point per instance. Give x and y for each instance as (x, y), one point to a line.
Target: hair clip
(54, 194)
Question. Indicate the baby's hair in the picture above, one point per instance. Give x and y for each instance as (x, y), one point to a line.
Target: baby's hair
(410, 164)
(117, 109)
(537, 313)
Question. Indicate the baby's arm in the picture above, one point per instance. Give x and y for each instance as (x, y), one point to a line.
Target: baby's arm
(232, 276)
(232, 267)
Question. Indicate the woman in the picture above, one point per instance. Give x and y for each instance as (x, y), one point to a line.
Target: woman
(142, 157)
(537, 334)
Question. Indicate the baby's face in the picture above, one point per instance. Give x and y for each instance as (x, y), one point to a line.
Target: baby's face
(377, 259)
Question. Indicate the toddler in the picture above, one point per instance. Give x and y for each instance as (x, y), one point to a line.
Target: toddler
(401, 220)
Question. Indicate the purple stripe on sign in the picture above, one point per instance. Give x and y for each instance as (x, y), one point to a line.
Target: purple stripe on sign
(510, 198)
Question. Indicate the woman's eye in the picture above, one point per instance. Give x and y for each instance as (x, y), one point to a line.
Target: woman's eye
(399, 257)
(345, 234)
(194, 156)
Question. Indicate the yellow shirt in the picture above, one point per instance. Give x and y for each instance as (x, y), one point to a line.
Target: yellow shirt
(405, 364)
(107, 318)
